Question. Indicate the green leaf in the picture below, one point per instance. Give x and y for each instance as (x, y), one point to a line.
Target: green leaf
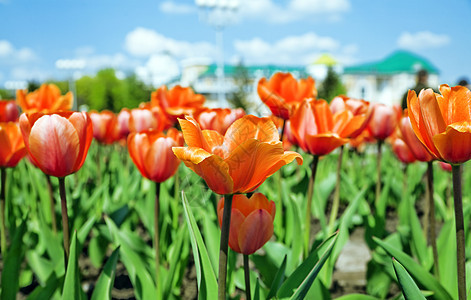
(46, 292)
(277, 282)
(407, 284)
(207, 283)
(256, 295)
(12, 264)
(357, 297)
(105, 281)
(304, 275)
(417, 271)
(72, 289)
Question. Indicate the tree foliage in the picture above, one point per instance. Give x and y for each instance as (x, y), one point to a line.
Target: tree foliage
(331, 86)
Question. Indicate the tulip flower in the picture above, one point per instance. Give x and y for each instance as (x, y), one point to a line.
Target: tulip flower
(251, 222)
(237, 162)
(8, 111)
(442, 122)
(282, 93)
(177, 102)
(123, 123)
(151, 152)
(47, 98)
(12, 150)
(402, 151)
(408, 136)
(105, 126)
(145, 118)
(218, 119)
(58, 144)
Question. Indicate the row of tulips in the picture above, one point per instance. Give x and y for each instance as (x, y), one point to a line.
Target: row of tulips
(234, 154)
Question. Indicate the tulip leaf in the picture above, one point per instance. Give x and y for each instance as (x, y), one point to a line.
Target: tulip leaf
(357, 297)
(72, 289)
(47, 291)
(278, 281)
(302, 278)
(407, 284)
(256, 295)
(207, 283)
(105, 281)
(12, 264)
(417, 271)
(174, 261)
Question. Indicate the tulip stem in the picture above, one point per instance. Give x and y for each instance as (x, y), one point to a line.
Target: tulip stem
(378, 166)
(310, 190)
(65, 219)
(226, 221)
(433, 234)
(460, 241)
(52, 204)
(282, 130)
(156, 236)
(3, 175)
(336, 201)
(248, 294)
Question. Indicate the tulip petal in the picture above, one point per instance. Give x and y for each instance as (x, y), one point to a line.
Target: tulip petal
(458, 99)
(6, 148)
(454, 145)
(192, 134)
(160, 161)
(208, 166)
(54, 144)
(322, 116)
(256, 230)
(84, 128)
(138, 145)
(322, 144)
(250, 127)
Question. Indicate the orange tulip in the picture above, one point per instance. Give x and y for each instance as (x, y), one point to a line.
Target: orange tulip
(177, 102)
(12, 148)
(318, 131)
(57, 142)
(383, 121)
(46, 98)
(408, 136)
(8, 111)
(251, 222)
(105, 126)
(237, 162)
(282, 93)
(442, 122)
(358, 107)
(218, 119)
(151, 152)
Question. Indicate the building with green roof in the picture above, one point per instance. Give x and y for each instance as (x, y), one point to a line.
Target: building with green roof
(387, 80)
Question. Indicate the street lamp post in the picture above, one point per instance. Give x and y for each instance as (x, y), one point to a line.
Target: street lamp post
(219, 14)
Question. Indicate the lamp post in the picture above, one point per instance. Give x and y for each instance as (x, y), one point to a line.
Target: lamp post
(72, 65)
(219, 14)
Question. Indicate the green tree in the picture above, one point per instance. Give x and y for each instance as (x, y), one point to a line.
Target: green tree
(331, 86)
(242, 82)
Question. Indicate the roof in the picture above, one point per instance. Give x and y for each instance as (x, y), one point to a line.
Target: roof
(398, 62)
(255, 70)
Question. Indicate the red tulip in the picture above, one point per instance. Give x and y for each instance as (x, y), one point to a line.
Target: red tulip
(283, 93)
(105, 126)
(383, 121)
(318, 131)
(237, 162)
(408, 136)
(442, 122)
(12, 148)
(151, 151)
(57, 142)
(8, 111)
(251, 222)
(123, 123)
(402, 151)
(218, 119)
(47, 98)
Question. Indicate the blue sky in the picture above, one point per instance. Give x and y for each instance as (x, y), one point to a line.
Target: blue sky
(154, 38)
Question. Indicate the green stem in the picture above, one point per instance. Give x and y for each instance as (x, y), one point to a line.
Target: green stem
(378, 167)
(65, 219)
(176, 214)
(310, 190)
(433, 234)
(156, 236)
(52, 204)
(336, 201)
(248, 294)
(223, 247)
(460, 242)
(3, 175)
(282, 130)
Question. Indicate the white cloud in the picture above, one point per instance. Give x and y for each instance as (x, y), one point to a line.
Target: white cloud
(294, 10)
(145, 42)
(291, 50)
(422, 40)
(170, 7)
(29, 73)
(11, 55)
(158, 70)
